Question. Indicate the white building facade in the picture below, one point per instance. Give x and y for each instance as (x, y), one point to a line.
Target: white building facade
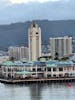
(49, 69)
(34, 39)
(61, 45)
(18, 53)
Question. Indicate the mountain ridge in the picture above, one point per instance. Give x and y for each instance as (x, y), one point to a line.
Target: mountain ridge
(16, 34)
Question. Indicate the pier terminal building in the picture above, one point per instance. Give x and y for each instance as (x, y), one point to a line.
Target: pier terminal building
(37, 69)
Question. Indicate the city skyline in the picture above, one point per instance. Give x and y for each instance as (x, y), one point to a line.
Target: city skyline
(37, 49)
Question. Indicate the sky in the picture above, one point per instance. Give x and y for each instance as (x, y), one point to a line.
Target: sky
(12, 11)
(28, 1)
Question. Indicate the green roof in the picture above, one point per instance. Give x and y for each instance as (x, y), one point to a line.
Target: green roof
(24, 72)
(8, 63)
(51, 65)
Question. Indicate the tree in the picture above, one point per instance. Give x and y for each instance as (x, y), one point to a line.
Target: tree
(11, 58)
(65, 58)
(56, 56)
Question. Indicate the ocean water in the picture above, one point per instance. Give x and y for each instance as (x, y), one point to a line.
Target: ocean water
(45, 91)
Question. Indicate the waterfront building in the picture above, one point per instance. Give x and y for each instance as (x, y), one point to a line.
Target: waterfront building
(37, 69)
(62, 46)
(34, 40)
(18, 53)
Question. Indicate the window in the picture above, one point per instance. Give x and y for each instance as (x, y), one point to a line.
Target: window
(73, 68)
(54, 75)
(49, 69)
(4, 69)
(60, 75)
(9, 69)
(33, 74)
(38, 69)
(54, 69)
(34, 69)
(45, 69)
(66, 74)
(60, 69)
(49, 75)
(36, 33)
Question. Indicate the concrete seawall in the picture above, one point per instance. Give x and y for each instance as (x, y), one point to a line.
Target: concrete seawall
(43, 80)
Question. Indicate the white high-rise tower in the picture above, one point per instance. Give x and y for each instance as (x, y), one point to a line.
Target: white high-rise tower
(34, 38)
(61, 45)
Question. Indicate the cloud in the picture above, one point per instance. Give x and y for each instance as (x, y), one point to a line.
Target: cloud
(27, 1)
(48, 9)
(8, 2)
(4, 3)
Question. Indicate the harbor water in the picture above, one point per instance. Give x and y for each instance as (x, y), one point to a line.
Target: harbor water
(43, 91)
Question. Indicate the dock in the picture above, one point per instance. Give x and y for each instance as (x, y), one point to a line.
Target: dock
(42, 80)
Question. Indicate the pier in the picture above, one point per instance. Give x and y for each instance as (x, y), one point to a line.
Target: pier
(42, 80)
(18, 72)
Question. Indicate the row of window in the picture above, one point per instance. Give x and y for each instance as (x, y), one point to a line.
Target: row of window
(48, 69)
(40, 69)
(55, 69)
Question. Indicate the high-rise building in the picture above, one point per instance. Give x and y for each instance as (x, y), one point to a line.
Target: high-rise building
(73, 42)
(61, 46)
(34, 39)
(18, 53)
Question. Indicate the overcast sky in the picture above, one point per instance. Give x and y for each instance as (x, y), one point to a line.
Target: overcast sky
(12, 11)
